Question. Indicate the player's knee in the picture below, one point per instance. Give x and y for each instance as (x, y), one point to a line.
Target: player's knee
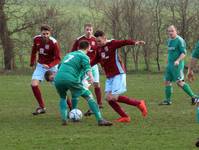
(180, 83)
(96, 84)
(34, 83)
(108, 98)
(88, 97)
(167, 83)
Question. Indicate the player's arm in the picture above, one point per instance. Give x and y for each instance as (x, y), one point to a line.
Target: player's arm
(57, 57)
(33, 54)
(96, 59)
(120, 43)
(193, 62)
(87, 68)
(74, 47)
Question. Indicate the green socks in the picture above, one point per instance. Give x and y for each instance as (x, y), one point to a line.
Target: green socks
(63, 109)
(168, 92)
(74, 103)
(95, 109)
(188, 90)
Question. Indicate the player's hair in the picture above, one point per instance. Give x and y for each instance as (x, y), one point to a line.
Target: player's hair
(88, 25)
(46, 27)
(83, 45)
(173, 26)
(99, 33)
(47, 75)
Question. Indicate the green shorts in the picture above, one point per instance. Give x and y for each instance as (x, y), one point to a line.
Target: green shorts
(76, 89)
(174, 73)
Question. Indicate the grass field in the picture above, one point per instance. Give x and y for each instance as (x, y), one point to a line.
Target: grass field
(166, 128)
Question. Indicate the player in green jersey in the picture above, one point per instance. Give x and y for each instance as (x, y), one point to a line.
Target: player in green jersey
(190, 75)
(193, 62)
(68, 77)
(175, 66)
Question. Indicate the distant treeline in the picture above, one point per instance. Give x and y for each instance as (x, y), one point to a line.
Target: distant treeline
(120, 19)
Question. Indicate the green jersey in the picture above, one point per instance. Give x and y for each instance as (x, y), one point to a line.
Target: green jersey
(176, 47)
(72, 66)
(195, 52)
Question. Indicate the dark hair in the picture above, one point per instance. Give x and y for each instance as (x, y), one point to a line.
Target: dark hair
(46, 27)
(83, 45)
(99, 33)
(88, 25)
(47, 75)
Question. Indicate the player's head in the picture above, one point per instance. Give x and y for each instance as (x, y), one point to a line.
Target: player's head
(100, 38)
(49, 76)
(84, 45)
(45, 31)
(172, 31)
(88, 29)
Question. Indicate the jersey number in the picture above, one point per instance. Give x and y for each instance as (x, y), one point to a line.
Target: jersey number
(69, 58)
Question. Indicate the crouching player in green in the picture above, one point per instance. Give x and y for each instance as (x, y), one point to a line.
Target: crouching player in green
(68, 77)
(175, 66)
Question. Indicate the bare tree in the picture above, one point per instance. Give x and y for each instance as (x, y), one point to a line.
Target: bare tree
(11, 11)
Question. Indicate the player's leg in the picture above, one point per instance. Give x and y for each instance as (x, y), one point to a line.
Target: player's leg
(62, 90)
(96, 84)
(168, 78)
(179, 78)
(168, 93)
(112, 102)
(86, 85)
(69, 103)
(119, 87)
(38, 76)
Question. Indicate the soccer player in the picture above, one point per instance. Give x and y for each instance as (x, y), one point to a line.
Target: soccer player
(68, 77)
(190, 75)
(175, 66)
(48, 52)
(107, 56)
(88, 36)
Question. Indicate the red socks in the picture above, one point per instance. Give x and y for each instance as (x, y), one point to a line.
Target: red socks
(98, 94)
(37, 94)
(129, 101)
(69, 103)
(117, 108)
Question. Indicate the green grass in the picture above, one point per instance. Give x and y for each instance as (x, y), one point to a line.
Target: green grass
(166, 128)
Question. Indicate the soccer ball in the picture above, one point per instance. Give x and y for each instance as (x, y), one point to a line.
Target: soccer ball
(75, 115)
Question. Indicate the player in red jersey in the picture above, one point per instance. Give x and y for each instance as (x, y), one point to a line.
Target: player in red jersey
(48, 59)
(88, 36)
(107, 56)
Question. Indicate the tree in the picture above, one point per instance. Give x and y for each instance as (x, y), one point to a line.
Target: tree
(14, 19)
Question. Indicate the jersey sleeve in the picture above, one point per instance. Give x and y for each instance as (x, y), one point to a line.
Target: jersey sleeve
(86, 64)
(96, 59)
(33, 54)
(74, 47)
(57, 57)
(120, 43)
(182, 46)
(195, 52)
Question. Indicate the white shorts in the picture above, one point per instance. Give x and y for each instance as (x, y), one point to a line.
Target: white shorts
(95, 72)
(116, 85)
(39, 72)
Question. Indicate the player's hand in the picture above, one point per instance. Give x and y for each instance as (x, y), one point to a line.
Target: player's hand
(46, 66)
(190, 76)
(139, 43)
(176, 63)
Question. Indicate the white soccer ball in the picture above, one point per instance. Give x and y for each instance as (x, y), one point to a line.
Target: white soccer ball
(75, 115)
